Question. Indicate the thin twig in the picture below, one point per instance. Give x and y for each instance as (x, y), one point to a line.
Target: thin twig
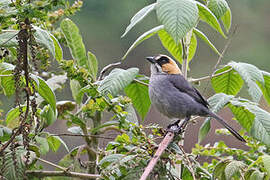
(106, 68)
(221, 56)
(82, 135)
(9, 39)
(40, 174)
(52, 164)
(209, 77)
(140, 82)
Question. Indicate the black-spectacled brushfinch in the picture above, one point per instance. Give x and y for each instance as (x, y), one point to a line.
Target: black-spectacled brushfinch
(174, 97)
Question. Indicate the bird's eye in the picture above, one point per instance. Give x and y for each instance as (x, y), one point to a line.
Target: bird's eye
(163, 60)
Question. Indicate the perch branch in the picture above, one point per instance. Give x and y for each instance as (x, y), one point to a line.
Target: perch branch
(52, 164)
(82, 135)
(161, 148)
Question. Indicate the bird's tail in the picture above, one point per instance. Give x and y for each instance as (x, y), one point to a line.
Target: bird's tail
(221, 121)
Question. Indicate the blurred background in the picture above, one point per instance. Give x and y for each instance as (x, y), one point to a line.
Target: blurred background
(102, 22)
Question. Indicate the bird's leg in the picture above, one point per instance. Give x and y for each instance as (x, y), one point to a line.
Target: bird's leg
(175, 124)
(176, 128)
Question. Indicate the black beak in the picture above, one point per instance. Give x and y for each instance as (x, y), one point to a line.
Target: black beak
(151, 59)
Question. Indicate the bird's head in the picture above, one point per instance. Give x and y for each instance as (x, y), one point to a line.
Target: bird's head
(163, 64)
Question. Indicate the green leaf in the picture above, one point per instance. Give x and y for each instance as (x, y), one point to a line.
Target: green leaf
(254, 119)
(10, 170)
(219, 170)
(202, 36)
(7, 80)
(117, 80)
(227, 20)
(177, 16)
(55, 143)
(110, 159)
(5, 134)
(138, 93)
(169, 44)
(46, 93)
(257, 175)
(218, 7)
(204, 130)
(207, 16)
(75, 90)
(12, 117)
(216, 102)
(229, 83)
(140, 15)
(44, 146)
(232, 168)
(43, 37)
(192, 47)
(57, 49)
(74, 42)
(131, 116)
(142, 38)
(266, 87)
(8, 39)
(56, 82)
(92, 64)
(187, 174)
(266, 163)
(251, 75)
(49, 116)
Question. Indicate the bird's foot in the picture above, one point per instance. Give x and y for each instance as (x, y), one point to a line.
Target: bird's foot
(175, 128)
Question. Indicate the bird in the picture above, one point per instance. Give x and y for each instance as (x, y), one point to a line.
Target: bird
(173, 96)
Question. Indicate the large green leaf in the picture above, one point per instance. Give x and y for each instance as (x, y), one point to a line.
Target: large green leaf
(142, 38)
(45, 92)
(75, 90)
(8, 39)
(266, 87)
(254, 119)
(227, 20)
(55, 143)
(110, 159)
(232, 168)
(218, 7)
(57, 49)
(43, 37)
(74, 41)
(12, 116)
(207, 16)
(10, 170)
(219, 170)
(202, 36)
(228, 83)
(44, 145)
(139, 16)
(7, 79)
(138, 93)
(169, 44)
(177, 16)
(266, 163)
(117, 80)
(257, 175)
(192, 46)
(251, 75)
(131, 116)
(48, 115)
(216, 102)
(92, 64)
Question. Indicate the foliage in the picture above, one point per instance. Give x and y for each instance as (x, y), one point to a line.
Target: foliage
(30, 40)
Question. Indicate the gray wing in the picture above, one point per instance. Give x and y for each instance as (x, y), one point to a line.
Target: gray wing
(184, 86)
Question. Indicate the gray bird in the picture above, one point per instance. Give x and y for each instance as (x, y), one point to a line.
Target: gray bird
(173, 95)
